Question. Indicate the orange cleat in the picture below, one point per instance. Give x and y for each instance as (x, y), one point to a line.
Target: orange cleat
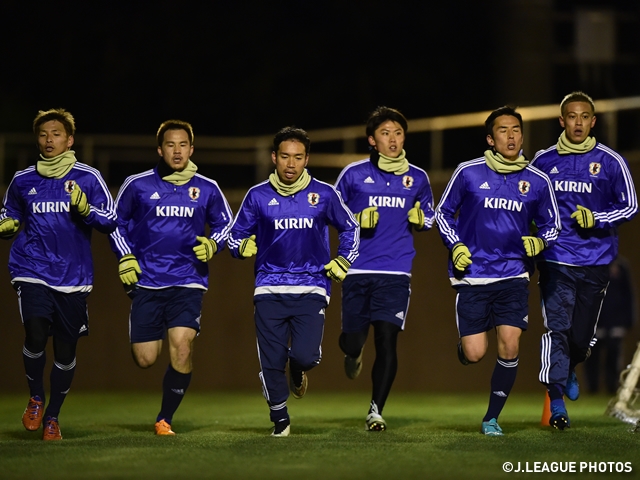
(51, 429)
(32, 416)
(163, 428)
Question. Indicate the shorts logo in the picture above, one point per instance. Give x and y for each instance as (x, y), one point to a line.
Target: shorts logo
(526, 319)
(594, 168)
(313, 198)
(69, 185)
(524, 187)
(400, 315)
(83, 328)
(194, 193)
(407, 181)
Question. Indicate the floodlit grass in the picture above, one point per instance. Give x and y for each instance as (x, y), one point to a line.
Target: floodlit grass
(226, 435)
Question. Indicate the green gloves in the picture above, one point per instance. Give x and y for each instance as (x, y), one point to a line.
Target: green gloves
(79, 200)
(206, 249)
(368, 218)
(584, 217)
(8, 227)
(461, 256)
(337, 268)
(248, 247)
(533, 245)
(128, 269)
(416, 216)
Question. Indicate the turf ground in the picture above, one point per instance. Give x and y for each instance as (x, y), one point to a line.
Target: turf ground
(226, 435)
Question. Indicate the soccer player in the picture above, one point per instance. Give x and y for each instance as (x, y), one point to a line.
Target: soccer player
(284, 222)
(595, 195)
(496, 198)
(57, 202)
(163, 251)
(392, 198)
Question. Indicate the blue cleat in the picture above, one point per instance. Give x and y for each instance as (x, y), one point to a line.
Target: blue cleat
(559, 417)
(572, 390)
(491, 428)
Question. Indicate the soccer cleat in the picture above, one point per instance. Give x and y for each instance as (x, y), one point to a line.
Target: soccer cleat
(32, 416)
(463, 359)
(51, 429)
(375, 423)
(491, 428)
(163, 428)
(298, 391)
(281, 429)
(559, 418)
(572, 390)
(353, 365)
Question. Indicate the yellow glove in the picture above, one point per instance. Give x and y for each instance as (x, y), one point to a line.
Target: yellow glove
(8, 227)
(248, 247)
(584, 217)
(533, 245)
(206, 249)
(416, 216)
(128, 269)
(368, 218)
(461, 256)
(79, 200)
(337, 268)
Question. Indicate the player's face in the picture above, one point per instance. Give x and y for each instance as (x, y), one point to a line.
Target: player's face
(388, 139)
(53, 139)
(290, 161)
(507, 137)
(577, 120)
(176, 149)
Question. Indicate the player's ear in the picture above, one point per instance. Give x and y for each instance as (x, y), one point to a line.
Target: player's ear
(306, 160)
(70, 140)
(593, 121)
(372, 141)
(160, 151)
(561, 120)
(273, 157)
(490, 141)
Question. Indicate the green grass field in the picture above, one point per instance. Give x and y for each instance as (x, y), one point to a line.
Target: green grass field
(226, 435)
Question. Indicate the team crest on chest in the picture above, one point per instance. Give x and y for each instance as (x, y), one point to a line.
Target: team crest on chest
(407, 181)
(69, 185)
(313, 198)
(524, 187)
(594, 168)
(194, 193)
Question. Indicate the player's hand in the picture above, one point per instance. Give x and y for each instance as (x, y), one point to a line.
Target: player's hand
(206, 249)
(337, 268)
(8, 226)
(129, 269)
(584, 217)
(416, 216)
(248, 247)
(461, 256)
(368, 218)
(533, 245)
(79, 200)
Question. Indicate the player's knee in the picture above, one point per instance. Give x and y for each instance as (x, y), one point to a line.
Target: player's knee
(305, 361)
(143, 360)
(36, 334)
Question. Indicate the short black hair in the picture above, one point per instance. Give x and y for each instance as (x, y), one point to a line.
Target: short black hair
(174, 125)
(60, 114)
(577, 96)
(506, 110)
(384, 114)
(292, 133)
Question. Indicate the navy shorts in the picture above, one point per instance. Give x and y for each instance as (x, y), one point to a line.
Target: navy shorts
(480, 308)
(368, 298)
(155, 311)
(67, 312)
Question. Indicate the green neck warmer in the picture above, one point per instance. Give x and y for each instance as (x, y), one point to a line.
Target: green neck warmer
(287, 190)
(398, 165)
(565, 147)
(499, 164)
(58, 166)
(183, 176)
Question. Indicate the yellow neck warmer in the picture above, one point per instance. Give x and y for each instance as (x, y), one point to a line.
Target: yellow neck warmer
(287, 190)
(183, 176)
(58, 166)
(398, 165)
(499, 164)
(565, 147)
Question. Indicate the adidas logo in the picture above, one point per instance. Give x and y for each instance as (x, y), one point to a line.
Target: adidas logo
(526, 319)
(321, 312)
(500, 394)
(485, 186)
(83, 328)
(180, 391)
(155, 196)
(273, 202)
(400, 315)
(369, 180)
(33, 191)
(554, 170)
